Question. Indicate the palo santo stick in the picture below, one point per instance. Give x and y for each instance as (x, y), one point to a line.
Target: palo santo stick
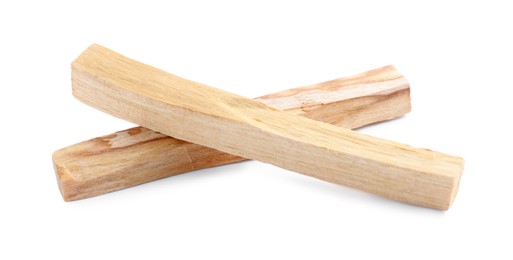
(233, 124)
(138, 155)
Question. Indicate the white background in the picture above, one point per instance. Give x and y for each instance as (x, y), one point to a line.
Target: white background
(457, 56)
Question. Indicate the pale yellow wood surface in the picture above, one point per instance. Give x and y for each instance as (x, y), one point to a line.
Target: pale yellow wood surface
(230, 123)
(138, 155)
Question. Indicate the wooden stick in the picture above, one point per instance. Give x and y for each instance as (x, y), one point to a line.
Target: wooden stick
(138, 155)
(233, 124)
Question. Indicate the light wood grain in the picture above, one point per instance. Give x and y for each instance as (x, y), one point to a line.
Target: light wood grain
(138, 155)
(233, 124)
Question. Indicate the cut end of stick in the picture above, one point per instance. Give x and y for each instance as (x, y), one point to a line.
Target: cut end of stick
(448, 184)
(64, 178)
(456, 184)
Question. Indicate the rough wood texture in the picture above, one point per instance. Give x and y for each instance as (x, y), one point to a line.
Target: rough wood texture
(138, 155)
(233, 124)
